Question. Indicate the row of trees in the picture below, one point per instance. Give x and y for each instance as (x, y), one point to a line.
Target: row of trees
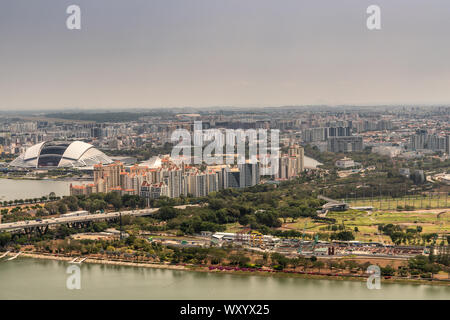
(408, 236)
(29, 200)
(91, 203)
(423, 266)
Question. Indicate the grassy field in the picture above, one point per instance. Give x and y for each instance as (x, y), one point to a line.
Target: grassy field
(367, 223)
(233, 227)
(428, 212)
(392, 203)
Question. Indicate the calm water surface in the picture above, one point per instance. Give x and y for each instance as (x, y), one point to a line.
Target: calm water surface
(26, 278)
(24, 189)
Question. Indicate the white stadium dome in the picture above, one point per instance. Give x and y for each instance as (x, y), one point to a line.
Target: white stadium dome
(76, 154)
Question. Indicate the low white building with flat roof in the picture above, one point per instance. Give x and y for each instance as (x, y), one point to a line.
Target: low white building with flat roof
(345, 163)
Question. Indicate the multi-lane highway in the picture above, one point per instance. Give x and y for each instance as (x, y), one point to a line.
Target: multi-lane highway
(91, 217)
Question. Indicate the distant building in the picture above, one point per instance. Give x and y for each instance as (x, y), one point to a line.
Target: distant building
(422, 140)
(404, 172)
(418, 140)
(292, 164)
(335, 206)
(83, 190)
(298, 153)
(389, 151)
(249, 174)
(418, 177)
(447, 144)
(314, 135)
(109, 173)
(345, 163)
(232, 178)
(324, 133)
(153, 191)
(345, 144)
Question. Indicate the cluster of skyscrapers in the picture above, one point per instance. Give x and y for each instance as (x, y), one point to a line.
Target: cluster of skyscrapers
(333, 139)
(165, 178)
(323, 133)
(424, 141)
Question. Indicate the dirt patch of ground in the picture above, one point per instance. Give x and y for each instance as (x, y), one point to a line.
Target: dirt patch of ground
(435, 211)
(382, 262)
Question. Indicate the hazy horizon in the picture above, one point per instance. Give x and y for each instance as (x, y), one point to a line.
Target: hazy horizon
(200, 54)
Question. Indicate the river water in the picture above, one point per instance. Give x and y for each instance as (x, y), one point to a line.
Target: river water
(27, 278)
(24, 189)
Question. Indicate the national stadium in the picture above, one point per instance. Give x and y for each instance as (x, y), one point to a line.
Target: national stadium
(65, 154)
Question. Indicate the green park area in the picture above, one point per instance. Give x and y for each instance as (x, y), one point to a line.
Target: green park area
(365, 224)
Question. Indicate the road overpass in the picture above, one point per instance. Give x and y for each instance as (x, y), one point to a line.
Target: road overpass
(328, 199)
(42, 226)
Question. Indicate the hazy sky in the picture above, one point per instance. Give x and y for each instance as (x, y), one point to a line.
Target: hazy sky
(166, 53)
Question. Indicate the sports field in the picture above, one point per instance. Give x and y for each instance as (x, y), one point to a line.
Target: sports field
(431, 221)
(413, 202)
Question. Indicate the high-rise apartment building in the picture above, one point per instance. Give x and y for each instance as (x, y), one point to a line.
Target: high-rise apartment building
(345, 144)
(249, 174)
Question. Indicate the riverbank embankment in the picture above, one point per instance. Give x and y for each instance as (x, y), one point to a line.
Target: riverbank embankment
(231, 270)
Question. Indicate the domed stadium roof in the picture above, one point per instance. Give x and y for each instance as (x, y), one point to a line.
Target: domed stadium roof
(76, 154)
